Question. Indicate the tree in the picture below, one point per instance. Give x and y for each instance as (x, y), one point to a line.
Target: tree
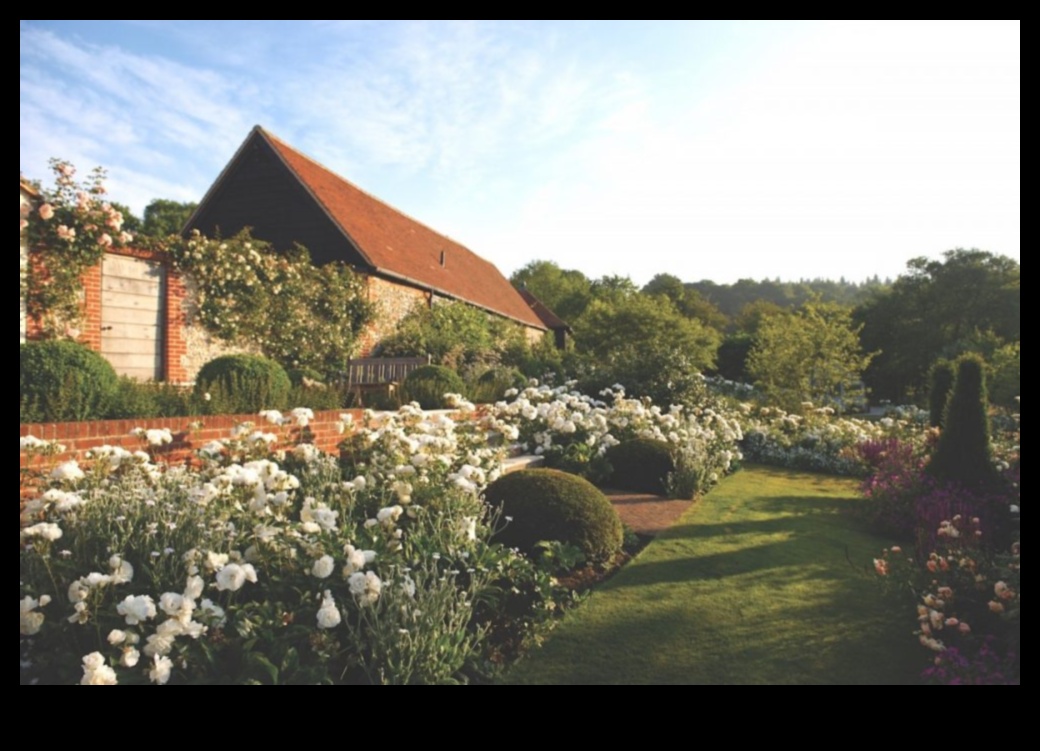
(647, 345)
(164, 217)
(812, 355)
(939, 309)
(963, 454)
(564, 291)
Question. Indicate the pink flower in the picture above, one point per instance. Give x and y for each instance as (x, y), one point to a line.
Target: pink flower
(66, 233)
(46, 211)
(881, 566)
(996, 607)
(22, 224)
(105, 240)
(964, 628)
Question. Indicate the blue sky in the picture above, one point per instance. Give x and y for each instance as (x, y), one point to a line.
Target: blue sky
(709, 150)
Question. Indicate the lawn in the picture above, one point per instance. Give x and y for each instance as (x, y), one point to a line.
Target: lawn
(763, 581)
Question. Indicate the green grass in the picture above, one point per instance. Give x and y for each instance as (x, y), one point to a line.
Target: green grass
(753, 585)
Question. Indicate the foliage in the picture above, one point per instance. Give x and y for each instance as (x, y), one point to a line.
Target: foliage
(574, 431)
(819, 440)
(963, 452)
(164, 217)
(1005, 375)
(811, 355)
(455, 335)
(565, 292)
(966, 599)
(151, 399)
(644, 343)
(492, 384)
(985, 664)
(938, 310)
(62, 381)
(641, 464)
(547, 504)
(257, 563)
(242, 384)
(67, 232)
(430, 385)
(941, 380)
(892, 488)
(688, 300)
(295, 312)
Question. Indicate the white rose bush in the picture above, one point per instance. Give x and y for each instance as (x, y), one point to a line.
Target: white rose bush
(264, 563)
(573, 431)
(265, 560)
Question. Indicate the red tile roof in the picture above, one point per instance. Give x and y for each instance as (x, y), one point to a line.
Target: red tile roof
(398, 246)
(550, 319)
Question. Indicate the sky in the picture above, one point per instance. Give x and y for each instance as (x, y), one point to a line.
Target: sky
(707, 150)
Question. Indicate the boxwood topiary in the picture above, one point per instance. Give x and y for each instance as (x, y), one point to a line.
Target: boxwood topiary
(428, 385)
(63, 380)
(546, 504)
(243, 384)
(642, 464)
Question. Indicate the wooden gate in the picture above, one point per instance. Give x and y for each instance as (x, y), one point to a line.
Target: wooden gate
(132, 294)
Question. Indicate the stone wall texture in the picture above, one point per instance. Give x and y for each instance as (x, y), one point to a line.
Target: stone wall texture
(393, 302)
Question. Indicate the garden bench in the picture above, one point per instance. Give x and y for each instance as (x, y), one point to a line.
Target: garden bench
(368, 374)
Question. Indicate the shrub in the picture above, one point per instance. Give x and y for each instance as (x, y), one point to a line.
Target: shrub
(642, 464)
(428, 385)
(63, 380)
(243, 383)
(492, 385)
(150, 399)
(546, 504)
(305, 377)
(963, 452)
(939, 391)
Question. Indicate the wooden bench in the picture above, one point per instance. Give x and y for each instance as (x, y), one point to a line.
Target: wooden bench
(369, 374)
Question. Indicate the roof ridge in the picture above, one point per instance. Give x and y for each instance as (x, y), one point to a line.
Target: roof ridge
(374, 197)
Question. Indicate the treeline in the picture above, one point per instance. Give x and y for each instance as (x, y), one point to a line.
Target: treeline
(939, 309)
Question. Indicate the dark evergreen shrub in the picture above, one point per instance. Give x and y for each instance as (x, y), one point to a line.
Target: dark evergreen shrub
(242, 384)
(428, 385)
(642, 464)
(546, 504)
(492, 384)
(64, 381)
(941, 384)
(963, 454)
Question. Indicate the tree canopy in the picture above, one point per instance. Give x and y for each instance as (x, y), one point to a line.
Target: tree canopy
(647, 345)
(812, 354)
(968, 302)
(164, 217)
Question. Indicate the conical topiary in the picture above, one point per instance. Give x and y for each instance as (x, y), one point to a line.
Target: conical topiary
(963, 453)
(942, 377)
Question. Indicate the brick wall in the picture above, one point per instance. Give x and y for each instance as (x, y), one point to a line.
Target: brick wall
(189, 433)
(186, 346)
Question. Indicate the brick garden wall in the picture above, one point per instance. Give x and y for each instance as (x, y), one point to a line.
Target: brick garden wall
(80, 437)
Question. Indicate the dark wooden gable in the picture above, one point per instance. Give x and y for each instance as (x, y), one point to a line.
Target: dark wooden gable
(257, 190)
